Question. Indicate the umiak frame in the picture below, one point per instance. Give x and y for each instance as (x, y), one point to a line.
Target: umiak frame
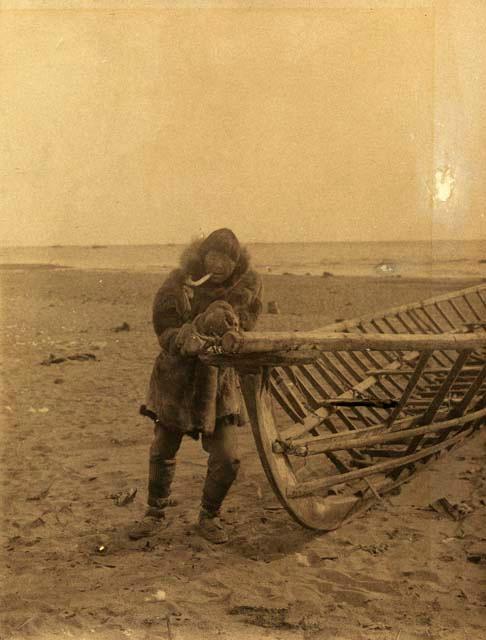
(347, 413)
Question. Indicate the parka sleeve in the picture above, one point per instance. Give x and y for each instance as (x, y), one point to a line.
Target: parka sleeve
(170, 311)
(166, 319)
(249, 316)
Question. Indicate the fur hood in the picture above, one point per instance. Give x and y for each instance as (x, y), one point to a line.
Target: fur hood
(191, 262)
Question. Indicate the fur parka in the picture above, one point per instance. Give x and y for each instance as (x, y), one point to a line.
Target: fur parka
(185, 394)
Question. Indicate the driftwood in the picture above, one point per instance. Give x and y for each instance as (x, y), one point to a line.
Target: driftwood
(347, 413)
(280, 342)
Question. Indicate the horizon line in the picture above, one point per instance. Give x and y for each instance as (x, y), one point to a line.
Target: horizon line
(246, 242)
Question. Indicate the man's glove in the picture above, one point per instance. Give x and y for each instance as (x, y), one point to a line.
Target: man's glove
(188, 341)
(218, 318)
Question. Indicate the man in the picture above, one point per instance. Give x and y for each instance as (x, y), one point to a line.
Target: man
(213, 291)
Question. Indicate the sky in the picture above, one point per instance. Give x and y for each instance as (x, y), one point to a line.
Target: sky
(144, 123)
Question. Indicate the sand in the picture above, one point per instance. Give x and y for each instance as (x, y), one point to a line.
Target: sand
(72, 439)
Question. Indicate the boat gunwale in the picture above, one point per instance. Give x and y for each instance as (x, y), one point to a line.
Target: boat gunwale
(393, 311)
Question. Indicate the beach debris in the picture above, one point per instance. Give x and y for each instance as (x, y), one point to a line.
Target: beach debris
(101, 548)
(373, 549)
(98, 344)
(445, 557)
(477, 553)
(385, 267)
(151, 620)
(82, 356)
(376, 626)
(273, 307)
(26, 622)
(38, 522)
(270, 617)
(453, 511)
(329, 556)
(41, 494)
(302, 560)
(52, 359)
(327, 274)
(40, 410)
(58, 380)
(311, 558)
(122, 498)
(159, 596)
(122, 327)
(296, 616)
(104, 564)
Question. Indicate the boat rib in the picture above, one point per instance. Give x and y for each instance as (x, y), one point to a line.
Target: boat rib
(346, 413)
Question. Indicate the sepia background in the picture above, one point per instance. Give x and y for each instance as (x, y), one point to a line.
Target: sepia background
(146, 122)
(345, 143)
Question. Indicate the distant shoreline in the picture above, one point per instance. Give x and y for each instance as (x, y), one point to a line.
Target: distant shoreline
(444, 259)
(248, 243)
(384, 278)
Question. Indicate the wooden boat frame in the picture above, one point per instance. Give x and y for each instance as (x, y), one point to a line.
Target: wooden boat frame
(345, 414)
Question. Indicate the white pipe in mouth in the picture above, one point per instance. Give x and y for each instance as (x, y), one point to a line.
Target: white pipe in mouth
(198, 283)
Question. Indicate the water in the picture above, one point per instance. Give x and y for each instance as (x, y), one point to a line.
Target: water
(450, 259)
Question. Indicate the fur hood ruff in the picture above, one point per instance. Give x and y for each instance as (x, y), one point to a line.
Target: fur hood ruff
(192, 263)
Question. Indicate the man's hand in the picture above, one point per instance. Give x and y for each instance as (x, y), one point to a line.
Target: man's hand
(218, 318)
(188, 341)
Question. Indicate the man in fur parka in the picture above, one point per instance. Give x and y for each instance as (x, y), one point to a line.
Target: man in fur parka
(212, 292)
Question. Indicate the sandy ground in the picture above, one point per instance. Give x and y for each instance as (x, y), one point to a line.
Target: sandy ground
(72, 438)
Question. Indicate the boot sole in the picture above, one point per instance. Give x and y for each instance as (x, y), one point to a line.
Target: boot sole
(201, 533)
(139, 536)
